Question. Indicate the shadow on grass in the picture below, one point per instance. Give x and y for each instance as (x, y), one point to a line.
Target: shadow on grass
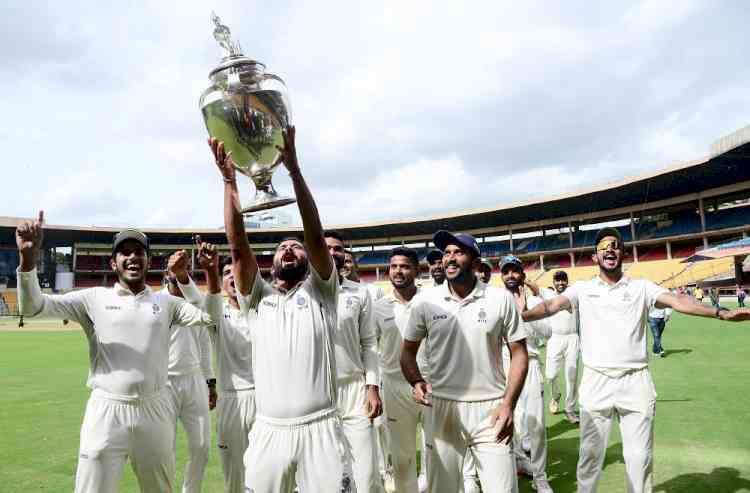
(721, 479)
(670, 352)
(559, 428)
(562, 459)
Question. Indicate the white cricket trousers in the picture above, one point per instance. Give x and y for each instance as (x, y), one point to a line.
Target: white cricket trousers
(190, 401)
(403, 415)
(360, 433)
(312, 453)
(631, 398)
(529, 419)
(114, 429)
(460, 426)
(562, 354)
(235, 415)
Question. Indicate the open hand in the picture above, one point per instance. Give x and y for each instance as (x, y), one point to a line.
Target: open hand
(223, 159)
(736, 315)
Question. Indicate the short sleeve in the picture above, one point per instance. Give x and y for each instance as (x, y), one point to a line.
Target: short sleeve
(510, 318)
(572, 294)
(653, 291)
(251, 301)
(325, 290)
(416, 327)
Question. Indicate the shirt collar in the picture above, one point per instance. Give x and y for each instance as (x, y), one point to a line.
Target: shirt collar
(477, 292)
(121, 290)
(624, 281)
(349, 285)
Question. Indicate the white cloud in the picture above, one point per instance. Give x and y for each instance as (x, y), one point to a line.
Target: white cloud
(440, 95)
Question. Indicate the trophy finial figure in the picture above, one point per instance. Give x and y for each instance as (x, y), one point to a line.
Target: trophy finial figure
(223, 36)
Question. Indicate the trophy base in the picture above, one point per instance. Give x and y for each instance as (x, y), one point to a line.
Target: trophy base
(269, 203)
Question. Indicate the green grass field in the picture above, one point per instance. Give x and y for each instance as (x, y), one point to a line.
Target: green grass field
(702, 438)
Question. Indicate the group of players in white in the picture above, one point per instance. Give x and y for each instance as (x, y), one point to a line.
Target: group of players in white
(309, 361)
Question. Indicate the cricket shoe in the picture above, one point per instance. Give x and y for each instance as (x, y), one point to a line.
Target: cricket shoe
(554, 406)
(422, 483)
(541, 485)
(572, 417)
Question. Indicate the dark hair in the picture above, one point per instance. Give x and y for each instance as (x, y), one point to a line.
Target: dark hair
(334, 234)
(405, 252)
(224, 262)
(560, 275)
(288, 238)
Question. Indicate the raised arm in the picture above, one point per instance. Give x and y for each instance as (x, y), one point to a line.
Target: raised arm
(317, 249)
(685, 304)
(31, 300)
(244, 263)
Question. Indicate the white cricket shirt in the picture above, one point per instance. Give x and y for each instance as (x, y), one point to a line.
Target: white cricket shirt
(189, 350)
(465, 338)
(564, 322)
(613, 322)
(128, 334)
(390, 320)
(293, 350)
(231, 338)
(356, 340)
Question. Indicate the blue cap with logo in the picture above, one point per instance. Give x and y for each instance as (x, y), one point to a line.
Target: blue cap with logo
(510, 260)
(433, 255)
(444, 238)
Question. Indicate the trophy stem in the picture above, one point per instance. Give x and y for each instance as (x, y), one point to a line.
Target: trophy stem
(266, 197)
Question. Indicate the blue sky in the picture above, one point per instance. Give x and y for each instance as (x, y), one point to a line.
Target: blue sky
(402, 109)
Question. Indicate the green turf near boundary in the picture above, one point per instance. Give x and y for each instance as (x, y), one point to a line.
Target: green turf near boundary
(702, 437)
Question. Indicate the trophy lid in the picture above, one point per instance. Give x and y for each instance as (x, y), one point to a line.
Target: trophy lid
(231, 50)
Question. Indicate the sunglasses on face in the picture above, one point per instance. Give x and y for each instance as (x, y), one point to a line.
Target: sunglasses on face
(608, 244)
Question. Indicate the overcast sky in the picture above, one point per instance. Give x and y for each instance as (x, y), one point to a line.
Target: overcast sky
(403, 109)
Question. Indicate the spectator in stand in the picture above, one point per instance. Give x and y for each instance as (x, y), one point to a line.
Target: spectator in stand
(741, 296)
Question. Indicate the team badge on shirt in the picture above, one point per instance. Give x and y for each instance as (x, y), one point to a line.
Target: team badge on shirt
(156, 309)
(626, 297)
(482, 316)
(301, 301)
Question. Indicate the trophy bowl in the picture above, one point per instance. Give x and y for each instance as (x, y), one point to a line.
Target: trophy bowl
(247, 109)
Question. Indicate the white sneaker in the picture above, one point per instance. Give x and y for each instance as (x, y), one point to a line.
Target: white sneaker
(554, 406)
(388, 482)
(422, 483)
(541, 485)
(572, 417)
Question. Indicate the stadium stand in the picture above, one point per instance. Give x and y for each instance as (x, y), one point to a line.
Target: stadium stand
(664, 217)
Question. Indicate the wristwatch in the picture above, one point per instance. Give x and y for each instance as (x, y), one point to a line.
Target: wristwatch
(211, 382)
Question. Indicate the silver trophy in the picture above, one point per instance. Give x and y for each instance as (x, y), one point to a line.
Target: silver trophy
(247, 109)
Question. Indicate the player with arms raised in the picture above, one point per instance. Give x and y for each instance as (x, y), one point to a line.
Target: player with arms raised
(297, 435)
(616, 382)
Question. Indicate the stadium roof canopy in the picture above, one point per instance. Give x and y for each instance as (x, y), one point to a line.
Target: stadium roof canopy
(727, 165)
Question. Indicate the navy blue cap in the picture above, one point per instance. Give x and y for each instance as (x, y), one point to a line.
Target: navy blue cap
(433, 255)
(444, 238)
(510, 260)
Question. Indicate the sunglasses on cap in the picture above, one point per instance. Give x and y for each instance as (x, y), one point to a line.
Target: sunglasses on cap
(609, 244)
